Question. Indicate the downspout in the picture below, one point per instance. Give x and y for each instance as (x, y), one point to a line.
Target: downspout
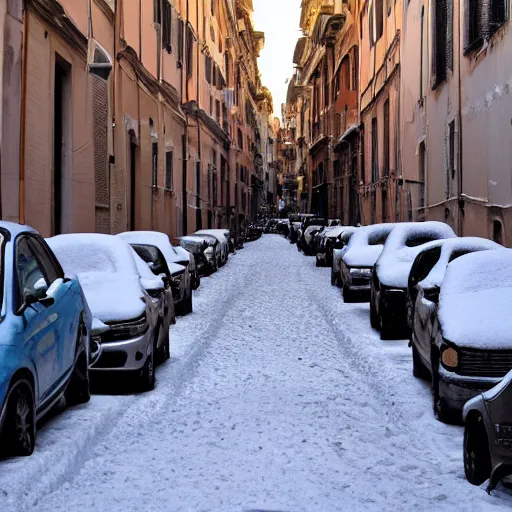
(185, 152)
(460, 222)
(199, 154)
(23, 115)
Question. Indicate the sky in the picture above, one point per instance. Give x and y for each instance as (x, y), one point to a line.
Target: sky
(279, 19)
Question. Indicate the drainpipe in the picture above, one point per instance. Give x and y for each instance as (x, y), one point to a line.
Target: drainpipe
(23, 115)
(199, 154)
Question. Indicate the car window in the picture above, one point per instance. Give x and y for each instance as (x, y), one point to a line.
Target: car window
(152, 255)
(29, 273)
(47, 260)
(458, 254)
(377, 238)
(423, 264)
(414, 240)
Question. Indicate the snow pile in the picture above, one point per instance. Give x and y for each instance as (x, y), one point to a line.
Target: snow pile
(474, 306)
(403, 245)
(362, 251)
(156, 239)
(450, 247)
(107, 272)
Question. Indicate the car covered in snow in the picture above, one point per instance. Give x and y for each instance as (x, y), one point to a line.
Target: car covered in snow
(340, 246)
(222, 235)
(308, 238)
(213, 252)
(355, 265)
(390, 275)
(307, 221)
(157, 251)
(471, 342)
(425, 280)
(294, 223)
(195, 277)
(326, 241)
(488, 435)
(162, 306)
(44, 343)
(112, 286)
(197, 247)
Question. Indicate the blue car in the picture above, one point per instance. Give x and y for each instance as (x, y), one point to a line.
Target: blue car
(45, 326)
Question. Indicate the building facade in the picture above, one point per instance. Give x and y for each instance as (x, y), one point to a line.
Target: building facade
(122, 115)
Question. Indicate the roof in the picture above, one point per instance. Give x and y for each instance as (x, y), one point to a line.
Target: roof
(15, 229)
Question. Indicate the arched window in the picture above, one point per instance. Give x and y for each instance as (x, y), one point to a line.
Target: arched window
(100, 63)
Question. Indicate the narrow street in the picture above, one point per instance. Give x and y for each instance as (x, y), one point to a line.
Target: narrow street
(278, 397)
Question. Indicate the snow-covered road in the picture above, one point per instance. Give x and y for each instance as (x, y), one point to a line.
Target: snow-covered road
(278, 397)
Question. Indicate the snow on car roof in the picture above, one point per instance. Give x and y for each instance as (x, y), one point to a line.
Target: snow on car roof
(474, 305)
(107, 272)
(334, 231)
(361, 251)
(217, 233)
(156, 239)
(404, 243)
(313, 227)
(448, 248)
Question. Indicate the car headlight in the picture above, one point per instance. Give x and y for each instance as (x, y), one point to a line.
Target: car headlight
(449, 357)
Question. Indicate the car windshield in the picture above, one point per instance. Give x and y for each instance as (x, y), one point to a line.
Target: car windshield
(191, 245)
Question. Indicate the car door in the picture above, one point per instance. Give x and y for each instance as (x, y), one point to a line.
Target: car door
(39, 321)
(67, 304)
(425, 301)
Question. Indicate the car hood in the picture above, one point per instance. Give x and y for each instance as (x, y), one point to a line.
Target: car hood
(477, 319)
(364, 256)
(112, 298)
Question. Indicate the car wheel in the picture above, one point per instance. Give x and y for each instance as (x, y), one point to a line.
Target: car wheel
(418, 369)
(477, 456)
(77, 391)
(147, 375)
(20, 426)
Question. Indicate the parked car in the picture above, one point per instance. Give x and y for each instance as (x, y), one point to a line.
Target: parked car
(471, 344)
(307, 242)
(213, 252)
(195, 277)
(151, 246)
(197, 247)
(390, 275)
(45, 332)
(340, 246)
(222, 235)
(162, 307)
(363, 250)
(325, 245)
(294, 222)
(308, 220)
(488, 435)
(112, 286)
(425, 280)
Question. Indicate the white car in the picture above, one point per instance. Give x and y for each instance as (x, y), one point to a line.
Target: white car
(149, 245)
(355, 265)
(222, 235)
(107, 271)
(340, 246)
(390, 276)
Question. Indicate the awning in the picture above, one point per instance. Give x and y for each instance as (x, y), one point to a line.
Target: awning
(348, 132)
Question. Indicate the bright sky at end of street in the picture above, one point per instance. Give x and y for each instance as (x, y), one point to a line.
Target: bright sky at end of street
(279, 19)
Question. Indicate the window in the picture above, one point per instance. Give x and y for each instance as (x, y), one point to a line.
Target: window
(168, 169)
(442, 38)
(362, 155)
(30, 276)
(214, 75)
(213, 7)
(154, 169)
(371, 25)
(181, 29)
(226, 70)
(217, 111)
(345, 73)
(379, 19)
(450, 172)
(157, 12)
(208, 68)
(386, 138)
(355, 69)
(375, 150)
(483, 19)
(190, 51)
(337, 83)
(167, 26)
(422, 177)
(240, 139)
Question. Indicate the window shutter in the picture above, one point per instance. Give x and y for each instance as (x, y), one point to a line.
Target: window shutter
(190, 50)
(449, 34)
(168, 170)
(167, 26)
(498, 14)
(180, 42)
